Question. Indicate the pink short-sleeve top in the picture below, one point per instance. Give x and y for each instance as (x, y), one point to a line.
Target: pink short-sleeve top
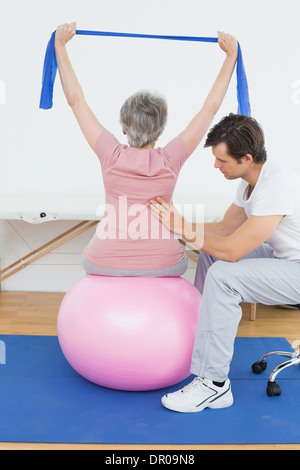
(128, 236)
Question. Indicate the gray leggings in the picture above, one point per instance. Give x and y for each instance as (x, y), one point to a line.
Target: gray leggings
(176, 270)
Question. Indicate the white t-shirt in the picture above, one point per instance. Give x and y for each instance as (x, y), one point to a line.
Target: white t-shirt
(277, 192)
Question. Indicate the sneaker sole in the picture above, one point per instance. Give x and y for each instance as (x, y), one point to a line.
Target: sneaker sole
(215, 405)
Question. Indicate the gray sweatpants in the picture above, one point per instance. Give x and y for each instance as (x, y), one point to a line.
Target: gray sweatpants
(259, 277)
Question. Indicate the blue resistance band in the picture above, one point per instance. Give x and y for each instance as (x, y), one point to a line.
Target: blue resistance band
(50, 67)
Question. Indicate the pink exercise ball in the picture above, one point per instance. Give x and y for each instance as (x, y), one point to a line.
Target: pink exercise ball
(130, 333)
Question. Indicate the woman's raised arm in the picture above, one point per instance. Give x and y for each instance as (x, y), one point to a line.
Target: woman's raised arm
(199, 126)
(87, 121)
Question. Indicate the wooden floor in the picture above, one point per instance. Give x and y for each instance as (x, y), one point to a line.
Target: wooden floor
(28, 313)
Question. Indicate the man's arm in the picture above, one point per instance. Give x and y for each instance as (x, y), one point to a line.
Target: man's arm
(251, 234)
(87, 121)
(198, 127)
(234, 217)
(248, 236)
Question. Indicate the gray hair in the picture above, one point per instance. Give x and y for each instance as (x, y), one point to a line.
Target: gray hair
(143, 117)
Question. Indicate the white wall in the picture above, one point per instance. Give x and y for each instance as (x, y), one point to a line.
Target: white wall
(44, 152)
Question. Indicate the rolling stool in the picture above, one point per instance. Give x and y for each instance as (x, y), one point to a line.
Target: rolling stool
(273, 389)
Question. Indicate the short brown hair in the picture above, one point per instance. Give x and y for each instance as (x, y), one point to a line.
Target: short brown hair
(241, 134)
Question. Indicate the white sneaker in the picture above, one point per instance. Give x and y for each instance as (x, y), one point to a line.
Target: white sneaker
(199, 394)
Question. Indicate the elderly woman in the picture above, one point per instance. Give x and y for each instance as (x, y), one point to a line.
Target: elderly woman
(129, 241)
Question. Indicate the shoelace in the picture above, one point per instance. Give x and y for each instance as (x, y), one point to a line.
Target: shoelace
(193, 384)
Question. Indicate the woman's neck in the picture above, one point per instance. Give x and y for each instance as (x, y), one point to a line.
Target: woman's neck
(148, 146)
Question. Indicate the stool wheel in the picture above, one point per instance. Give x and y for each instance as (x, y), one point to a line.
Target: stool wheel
(259, 367)
(273, 389)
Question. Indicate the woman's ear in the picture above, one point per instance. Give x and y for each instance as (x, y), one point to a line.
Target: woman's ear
(123, 131)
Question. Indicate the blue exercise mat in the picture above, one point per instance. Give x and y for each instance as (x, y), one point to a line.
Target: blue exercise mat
(43, 400)
(50, 66)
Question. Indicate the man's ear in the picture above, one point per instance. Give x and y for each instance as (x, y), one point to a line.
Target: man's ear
(248, 158)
